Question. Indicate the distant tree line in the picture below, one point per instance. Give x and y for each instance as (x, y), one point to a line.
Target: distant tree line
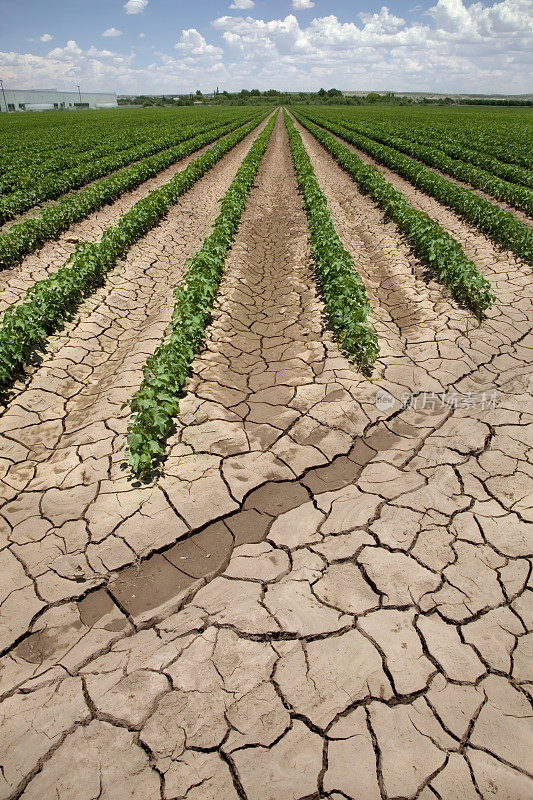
(493, 101)
(322, 97)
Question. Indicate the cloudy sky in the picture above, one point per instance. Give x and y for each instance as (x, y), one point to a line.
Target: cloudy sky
(183, 45)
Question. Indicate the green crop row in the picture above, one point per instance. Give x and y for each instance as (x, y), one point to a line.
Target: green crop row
(504, 134)
(342, 289)
(21, 171)
(156, 403)
(517, 196)
(34, 145)
(499, 225)
(52, 186)
(28, 236)
(443, 254)
(509, 172)
(53, 300)
(452, 144)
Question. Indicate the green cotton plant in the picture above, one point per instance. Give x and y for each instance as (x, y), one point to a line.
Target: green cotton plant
(519, 197)
(37, 188)
(52, 186)
(343, 291)
(451, 147)
(440, 251)
(92, 138)
(50, 302)
(33, 147)
(156, 403)
(25, 237)
(500, 225)
(448, 137)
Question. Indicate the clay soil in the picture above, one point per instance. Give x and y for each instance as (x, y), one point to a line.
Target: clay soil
(324, 594)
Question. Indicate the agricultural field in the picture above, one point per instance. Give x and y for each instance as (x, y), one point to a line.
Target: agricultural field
(265, 439)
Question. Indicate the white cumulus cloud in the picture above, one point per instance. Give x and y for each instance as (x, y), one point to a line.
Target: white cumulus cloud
(71, 51)
(112, 32)
(193, 45)
(242, 5)
(301, 5)
(484, 47)
(480, 48)
(384, 22)
(46, 37)
(93, 52)
(135, 6)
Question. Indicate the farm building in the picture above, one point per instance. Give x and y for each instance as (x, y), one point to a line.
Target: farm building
(50, 99)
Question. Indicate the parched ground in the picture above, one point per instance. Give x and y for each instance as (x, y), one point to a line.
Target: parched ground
(326, 595)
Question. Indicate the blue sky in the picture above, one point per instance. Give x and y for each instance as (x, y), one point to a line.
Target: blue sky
(176, 46)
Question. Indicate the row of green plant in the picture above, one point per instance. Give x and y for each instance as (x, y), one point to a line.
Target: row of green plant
(25, 237)
(35, 144)
(450, 141)
(50, 302)
(505, 135)
(517, 151)
(441, 252)
(500, 225)
(455, 149)
(156, 403)
(517, 196)
(18, 172)
(342, 289)
(52, 185)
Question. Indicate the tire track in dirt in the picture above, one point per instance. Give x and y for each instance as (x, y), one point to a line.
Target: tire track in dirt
(15, 281)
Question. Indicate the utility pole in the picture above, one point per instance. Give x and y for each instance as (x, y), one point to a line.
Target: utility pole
(4, 94)
(79, 92)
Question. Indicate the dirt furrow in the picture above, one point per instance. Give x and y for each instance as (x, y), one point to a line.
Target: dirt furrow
(521, 215)
(268, 358)
(411, 313)
(15, 281)
(70, 513)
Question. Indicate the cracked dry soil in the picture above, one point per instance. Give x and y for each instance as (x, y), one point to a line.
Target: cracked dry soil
(318, 599)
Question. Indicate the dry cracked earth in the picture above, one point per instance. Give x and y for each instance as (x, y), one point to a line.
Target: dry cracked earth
(323, 596)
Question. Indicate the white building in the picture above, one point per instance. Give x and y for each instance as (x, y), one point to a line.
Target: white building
(50, 99)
